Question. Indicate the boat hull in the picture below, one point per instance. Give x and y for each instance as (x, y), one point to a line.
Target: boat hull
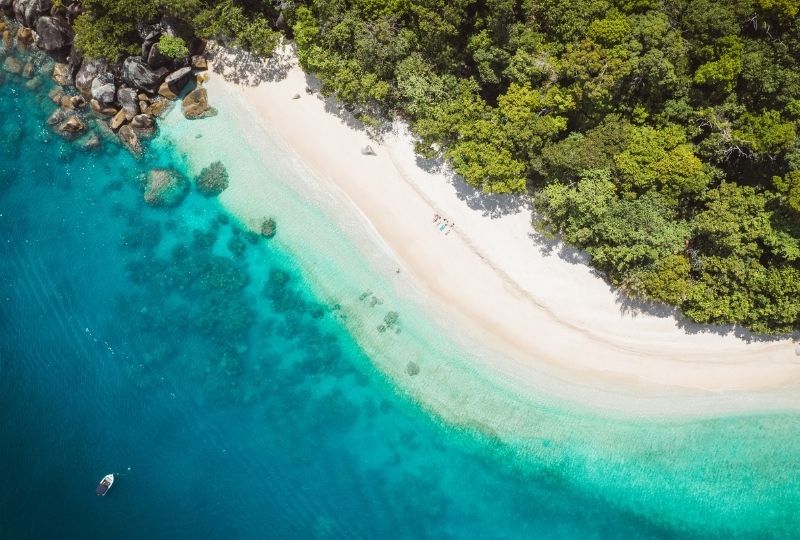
(104, 485)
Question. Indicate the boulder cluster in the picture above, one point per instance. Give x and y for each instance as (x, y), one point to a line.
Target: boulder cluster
(127, 96)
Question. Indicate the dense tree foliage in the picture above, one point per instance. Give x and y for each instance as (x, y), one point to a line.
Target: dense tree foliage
(660, 136)
(112, 28)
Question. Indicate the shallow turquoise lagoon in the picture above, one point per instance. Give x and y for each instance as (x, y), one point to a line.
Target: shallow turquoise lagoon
(174, 347)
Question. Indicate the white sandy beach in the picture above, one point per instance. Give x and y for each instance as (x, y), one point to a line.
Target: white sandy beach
(548, 312)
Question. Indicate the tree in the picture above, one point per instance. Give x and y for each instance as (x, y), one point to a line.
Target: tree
(173, 47)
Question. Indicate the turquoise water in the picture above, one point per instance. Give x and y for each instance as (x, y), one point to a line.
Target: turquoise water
(179, 350)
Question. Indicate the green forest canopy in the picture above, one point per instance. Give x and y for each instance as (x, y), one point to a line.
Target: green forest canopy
(659, 136)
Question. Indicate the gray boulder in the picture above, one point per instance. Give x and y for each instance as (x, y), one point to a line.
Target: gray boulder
(143, 122)
(148, 40)
(178, 79)
(103, 89)
(54, 33)
(86, 74)
(155, 59)
(139, 75)
(128, 99)
(27, 11)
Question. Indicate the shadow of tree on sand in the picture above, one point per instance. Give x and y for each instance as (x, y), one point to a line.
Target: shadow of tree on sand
(634, 306)
(239, 66)
(491, 205)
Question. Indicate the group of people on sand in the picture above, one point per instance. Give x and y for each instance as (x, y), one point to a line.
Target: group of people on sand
(443, 224)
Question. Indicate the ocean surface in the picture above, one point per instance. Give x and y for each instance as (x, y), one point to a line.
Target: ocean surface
(236, 393)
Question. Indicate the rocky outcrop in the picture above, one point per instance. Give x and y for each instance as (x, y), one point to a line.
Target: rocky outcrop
(199, 62)
(158, 107)
(195, 104)
(61, 74)
(86, 74)
(99, 108)
(71, 127)
(24, 37)
(128, 99)
(27, 11)
(165, 187)
(143, 123)
(54, 33)
(157, 60)
(103, 89)
(149, 38)
(123, 92)
(137, 74)
(175, 82)
(118, 120)
(130, 139)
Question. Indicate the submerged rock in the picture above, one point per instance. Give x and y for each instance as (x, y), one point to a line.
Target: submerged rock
(58, 116)
(12, 65)
(412, 369)
(212, 180)
(165, 187)
(91, 142)
(71, 127)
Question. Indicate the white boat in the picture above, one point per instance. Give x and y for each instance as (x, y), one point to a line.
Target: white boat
(104, 485)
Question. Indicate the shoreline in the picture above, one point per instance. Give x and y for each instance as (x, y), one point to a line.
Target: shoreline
(492, 279)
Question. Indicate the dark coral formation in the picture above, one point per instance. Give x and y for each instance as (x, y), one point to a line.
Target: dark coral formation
(165, 187)
(212, 180)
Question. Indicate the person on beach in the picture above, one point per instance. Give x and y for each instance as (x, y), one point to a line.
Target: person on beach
(436, 217)
(450, 229)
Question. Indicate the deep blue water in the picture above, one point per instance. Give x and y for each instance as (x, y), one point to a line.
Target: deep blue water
(175, 348)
